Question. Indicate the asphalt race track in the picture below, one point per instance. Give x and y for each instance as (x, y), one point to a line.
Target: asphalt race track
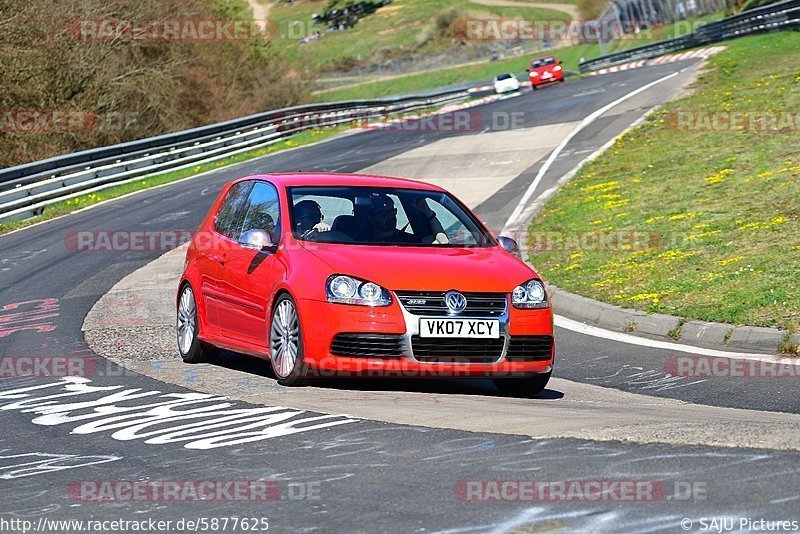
(342, 473)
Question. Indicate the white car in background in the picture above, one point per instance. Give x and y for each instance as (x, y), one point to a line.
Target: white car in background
(505, 83)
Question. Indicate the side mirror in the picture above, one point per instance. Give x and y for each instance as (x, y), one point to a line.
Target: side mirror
(527, 70)
(258, 240)
(509, 245)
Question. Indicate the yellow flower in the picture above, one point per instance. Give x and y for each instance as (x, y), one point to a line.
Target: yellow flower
(679, 216)
(718, 177)
(603, 187)
(762, 225)
(701, 235)
(730, 260)
(645, 296)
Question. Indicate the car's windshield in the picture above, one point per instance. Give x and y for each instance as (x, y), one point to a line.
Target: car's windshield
(501, 77)
(541, 62)
(383, 216)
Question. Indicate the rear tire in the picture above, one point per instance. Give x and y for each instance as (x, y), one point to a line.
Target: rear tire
(522, 387)
(286, 344)
(192, 350)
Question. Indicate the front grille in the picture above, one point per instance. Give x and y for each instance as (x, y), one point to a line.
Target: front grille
(376, 345)
(456, 349)
(478, 304)
(529, 348)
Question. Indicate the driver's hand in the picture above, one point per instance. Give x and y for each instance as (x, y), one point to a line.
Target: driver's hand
(322, 227)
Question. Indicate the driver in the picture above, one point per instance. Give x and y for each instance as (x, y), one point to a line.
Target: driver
(382, 223)
(308, 218)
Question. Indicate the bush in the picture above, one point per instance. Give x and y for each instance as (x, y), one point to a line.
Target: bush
(139, 88)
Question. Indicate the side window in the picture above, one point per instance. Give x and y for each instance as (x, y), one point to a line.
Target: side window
(453, 228)
(402, 218)
(263, 210)
(231, 211)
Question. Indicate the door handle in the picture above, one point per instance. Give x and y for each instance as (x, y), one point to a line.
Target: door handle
(220, 259)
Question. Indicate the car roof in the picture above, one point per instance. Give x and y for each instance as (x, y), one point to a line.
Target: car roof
(337, 179)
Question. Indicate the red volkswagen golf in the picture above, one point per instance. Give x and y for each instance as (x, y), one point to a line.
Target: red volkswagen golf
(327, 275)
(544, 70)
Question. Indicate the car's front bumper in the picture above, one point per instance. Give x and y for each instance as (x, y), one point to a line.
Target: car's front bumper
(556, 76)
(322, 321)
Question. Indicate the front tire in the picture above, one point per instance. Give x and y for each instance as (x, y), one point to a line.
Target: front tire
(522, 387)
(286, 343)
(192, 350)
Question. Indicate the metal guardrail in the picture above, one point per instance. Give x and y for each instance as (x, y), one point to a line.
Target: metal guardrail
(779, 16)
(26, 190)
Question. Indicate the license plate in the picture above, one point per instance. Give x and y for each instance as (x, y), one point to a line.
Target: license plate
(470, 328)
(547, 75)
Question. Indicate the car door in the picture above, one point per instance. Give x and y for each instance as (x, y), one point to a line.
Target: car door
(213, 250)
(248, 276)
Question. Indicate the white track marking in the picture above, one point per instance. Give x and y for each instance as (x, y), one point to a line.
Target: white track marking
(515, 215)
(589, 330)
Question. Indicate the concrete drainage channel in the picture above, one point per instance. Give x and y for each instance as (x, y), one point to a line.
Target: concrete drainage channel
(669, 327)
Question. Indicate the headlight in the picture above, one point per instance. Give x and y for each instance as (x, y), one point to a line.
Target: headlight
(530, 295)
(557, 67)
(534, 73)
(345, 289)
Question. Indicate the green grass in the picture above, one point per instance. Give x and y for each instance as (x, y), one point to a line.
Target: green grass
(720, 209)
(68, 206)
(403, 27)
(568, 56)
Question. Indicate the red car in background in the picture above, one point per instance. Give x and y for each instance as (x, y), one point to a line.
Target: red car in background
(326, 275)
(544, 70)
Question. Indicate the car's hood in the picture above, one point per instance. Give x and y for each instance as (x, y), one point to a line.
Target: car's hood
(426, 268)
